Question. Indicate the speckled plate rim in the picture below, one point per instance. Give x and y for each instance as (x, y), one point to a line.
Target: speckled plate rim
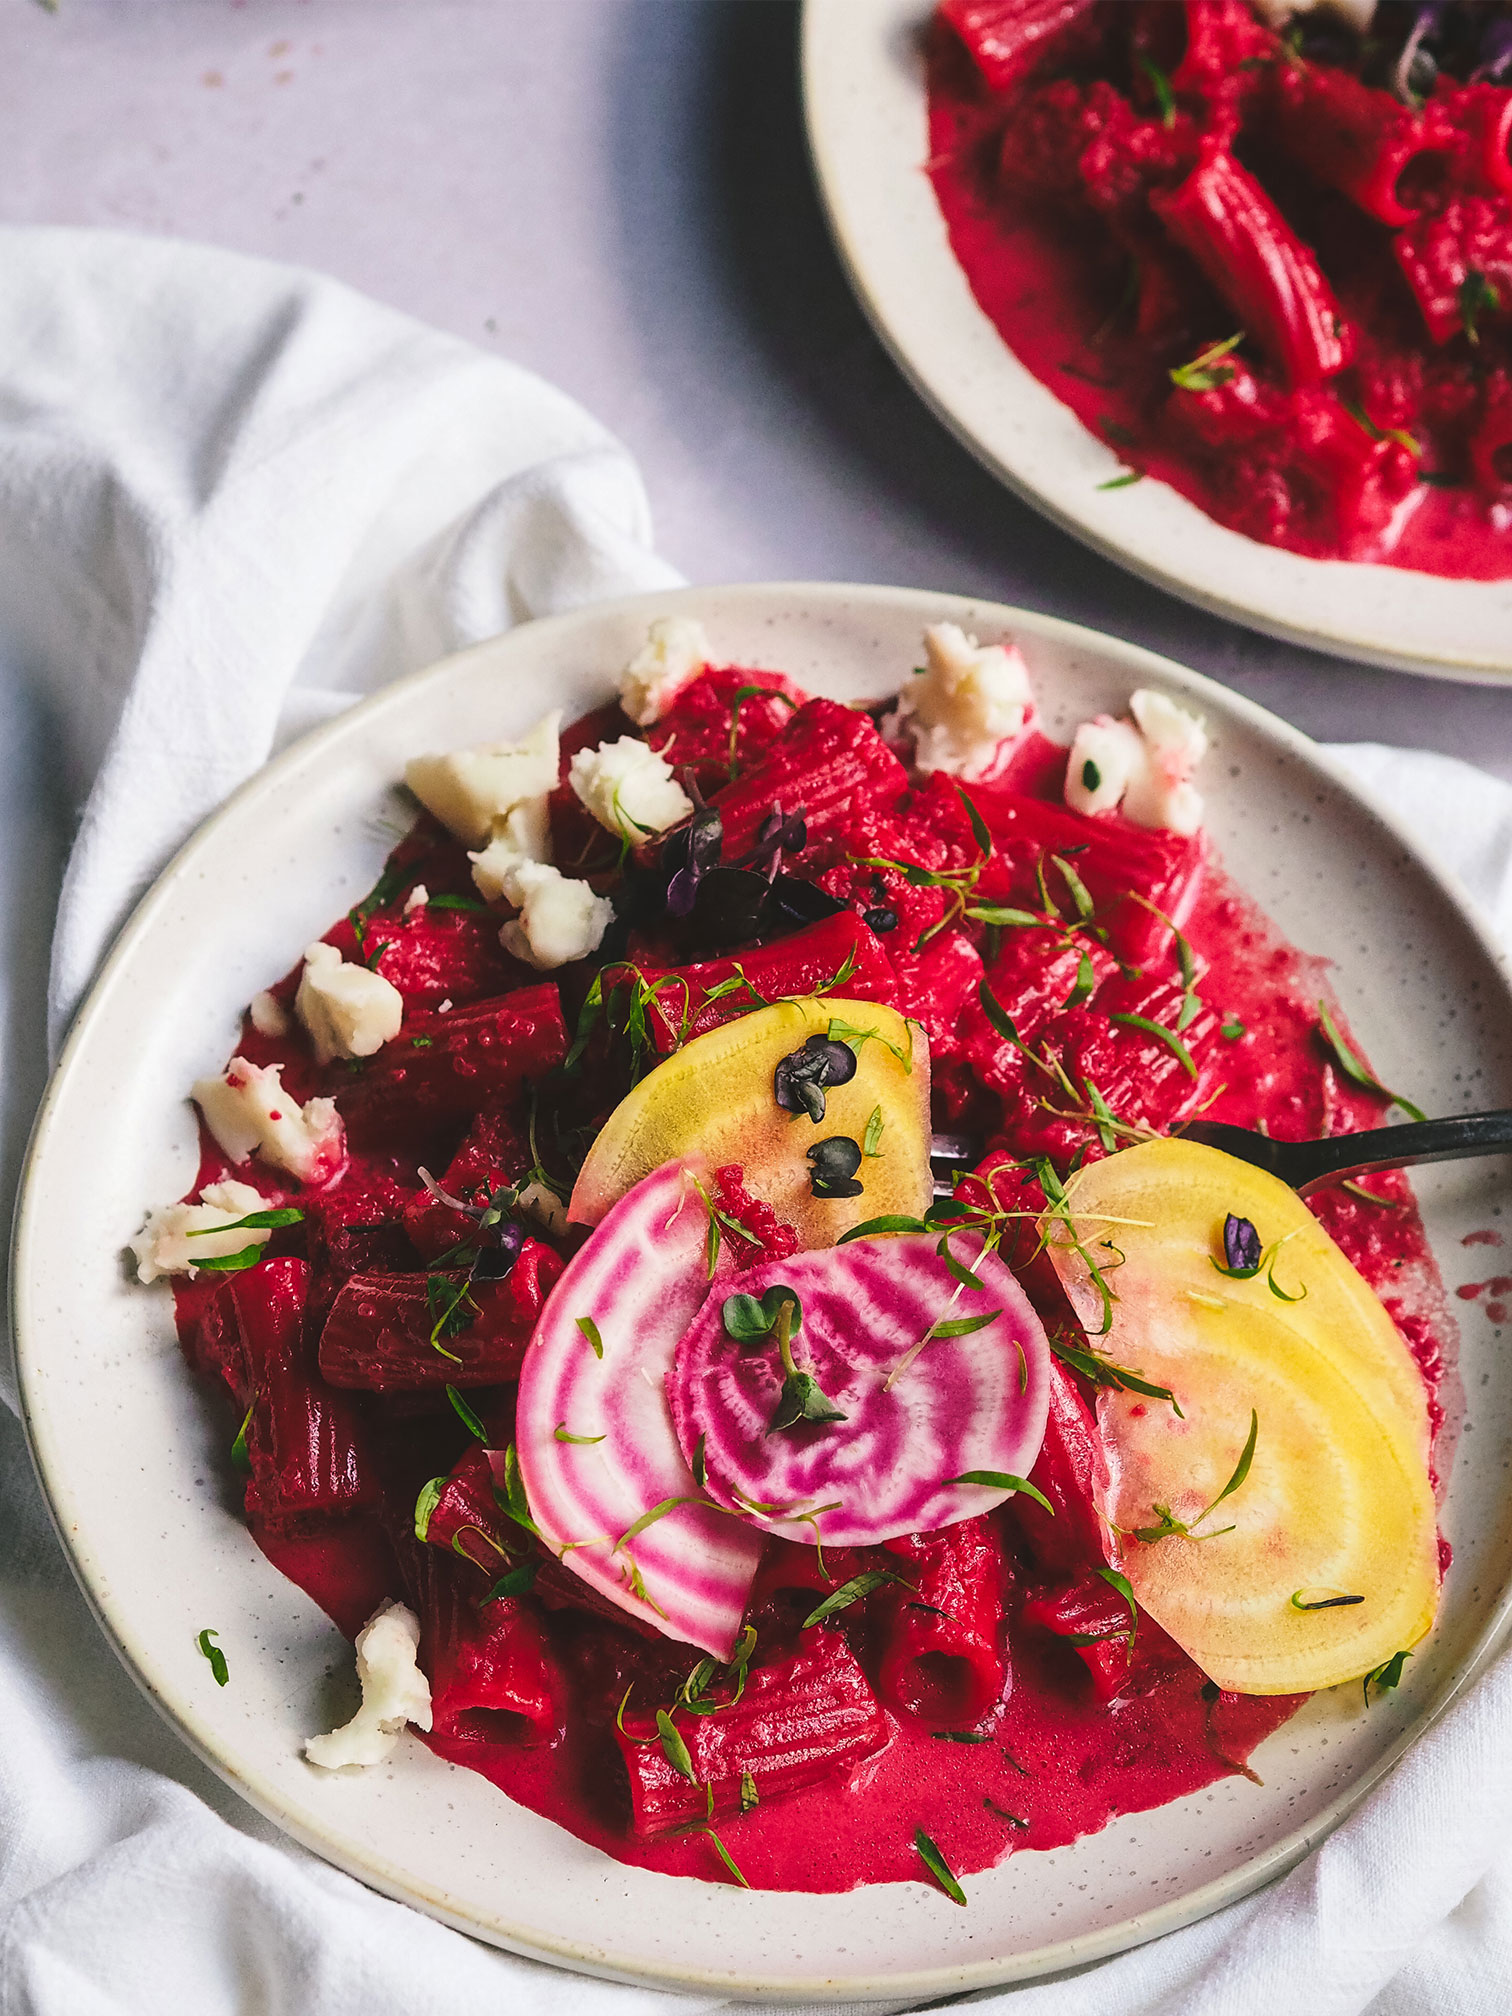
(865, 112)
(361, 1858)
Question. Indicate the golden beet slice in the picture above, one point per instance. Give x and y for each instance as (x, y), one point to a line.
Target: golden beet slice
(715, 1101)
(1336, 1500)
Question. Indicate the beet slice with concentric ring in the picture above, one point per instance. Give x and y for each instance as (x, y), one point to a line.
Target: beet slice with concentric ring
(972, 1399)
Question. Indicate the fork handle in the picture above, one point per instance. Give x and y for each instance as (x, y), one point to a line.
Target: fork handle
(1403, 1147)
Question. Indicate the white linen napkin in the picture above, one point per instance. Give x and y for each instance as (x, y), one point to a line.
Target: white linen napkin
(232, 497)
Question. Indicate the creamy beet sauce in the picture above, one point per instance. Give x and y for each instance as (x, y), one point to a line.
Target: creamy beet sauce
(1050, 287)
(1056, 1764)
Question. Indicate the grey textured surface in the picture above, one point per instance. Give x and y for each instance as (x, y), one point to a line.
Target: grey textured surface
(616, 193)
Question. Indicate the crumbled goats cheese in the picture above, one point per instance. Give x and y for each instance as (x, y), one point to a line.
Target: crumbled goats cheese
(348, 1010)
(417, 898)
(1144, 764)
(675, 651)
(163, 1246)
(248, 1112)
(268, 1015)
(524, 834)
(1357, 14)
(629, 788)
(471, 788)
(394, 1691)
(544, 1207)
(560, 918)
(967, 702)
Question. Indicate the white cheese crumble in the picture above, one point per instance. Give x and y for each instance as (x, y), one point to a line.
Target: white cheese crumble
(417, 898)
(560, 918)
(163, 1246)
(348, 1011)
(629, 788)
(394, 1691)
(269, 1017)
(1144, 765)
(248, 1112)
(967, 702)
(524, 834)
(471, 788)
(1358, 14)
(676, 650)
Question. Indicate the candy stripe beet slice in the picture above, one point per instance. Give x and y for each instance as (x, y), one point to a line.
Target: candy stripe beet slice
(630, 1294)
(975, 1400)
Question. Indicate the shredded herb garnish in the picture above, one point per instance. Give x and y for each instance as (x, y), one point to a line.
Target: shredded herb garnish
(1166, 1036)
(1323, 1599)
(938, 1867)
(425, 1504)
(674, 1749)
(1002, 1813)
(1116, 1580)
(255, 1221)
(564, 1434)
(217, 1658)
(513, 1501)
(854, 1591)
(749, 1796)
(1004, 1480)
(1169, 1526)
(1387, 1676)
(466, 1416)
(960, 1736)
(1354, 1068)
(518, 1582)
(1477, 296)
(871, 1141)
(1124, 481)
(1160, 84)
(590, 1330)
(1207, 372)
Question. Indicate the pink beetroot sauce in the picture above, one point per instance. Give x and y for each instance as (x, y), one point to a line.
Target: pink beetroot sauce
(1051, 280)
(1056, 1763)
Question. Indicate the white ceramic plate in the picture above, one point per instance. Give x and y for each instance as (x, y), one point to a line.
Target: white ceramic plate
(146, 1505)
(868, 129)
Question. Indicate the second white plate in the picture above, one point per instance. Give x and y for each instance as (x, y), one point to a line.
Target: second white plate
(865, 103)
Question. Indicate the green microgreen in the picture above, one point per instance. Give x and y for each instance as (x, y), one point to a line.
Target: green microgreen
(871, 1140)
(1208, 371)
(854, 1591)
(1160, 84)
(518, 1582)
(738, 700)
(1356, 1069)
(564, 1434)
(1477, 296)
(750, 1798)
(232, 1263)
(1125, 480)
(1002, 1813)
(1383, 1678)
(466, 1416)
(217, 1658)
(748, 1318)
(512, 1500)
(450, 1306)
(1167, 1036)
(1323, 1599)
(839, 1031)
(674, 1749)
(425, 1504)
(1119, 1581)
(938, 1867)
(1168, 1526)
(1363, 420)
(590, 1330)
(239, 1457)
(1231, 1030)
(255, 1221)
(1004, 1480)
(800, 1403)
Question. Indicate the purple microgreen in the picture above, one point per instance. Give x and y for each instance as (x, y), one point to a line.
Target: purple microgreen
(217, 1658)
(1241, 1246)
(1004, 1480)
(938, 1867)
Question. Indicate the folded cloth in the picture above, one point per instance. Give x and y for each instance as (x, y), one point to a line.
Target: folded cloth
(232, 498)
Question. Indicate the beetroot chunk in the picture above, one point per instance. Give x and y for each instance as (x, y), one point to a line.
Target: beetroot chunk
(442, 1068)
(827, 761)
(805, 1718)
(1095, 1618)
(305, 1444)
(378, 1334)
(695, 731)
(945, 1658)
(493, 1680)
